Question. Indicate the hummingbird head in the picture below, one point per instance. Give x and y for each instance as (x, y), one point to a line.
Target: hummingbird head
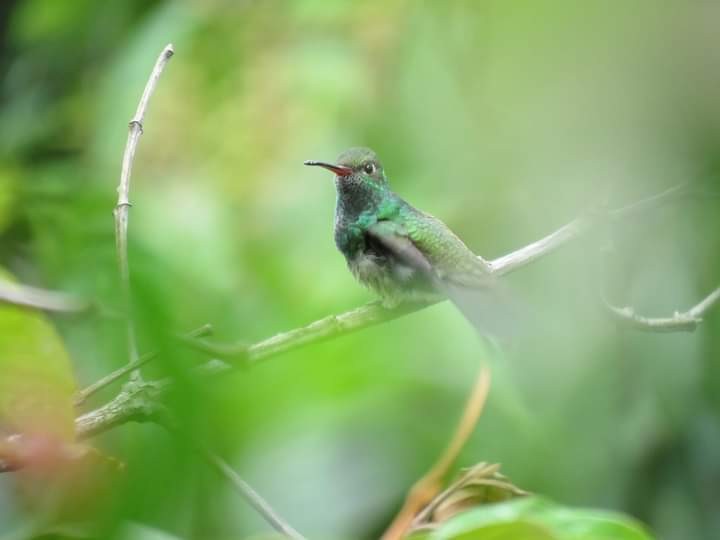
(355, 168)
(359, 179)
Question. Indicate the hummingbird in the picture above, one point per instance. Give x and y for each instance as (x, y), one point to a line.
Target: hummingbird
(399, 252)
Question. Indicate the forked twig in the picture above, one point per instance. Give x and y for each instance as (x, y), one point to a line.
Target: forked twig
(110, 378)
(686, 321)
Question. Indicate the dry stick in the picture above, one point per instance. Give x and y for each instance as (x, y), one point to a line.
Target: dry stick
(686, 321)
(33, 297)
(241, 486)
(486, 470)
(136, 401)
(110, 378)
(135, 129)
(125, 407)
(252, 497)
(430, 484)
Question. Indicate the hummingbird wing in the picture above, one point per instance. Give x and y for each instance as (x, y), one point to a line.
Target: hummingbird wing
(451, 259)
(481, 305)
(393, 238)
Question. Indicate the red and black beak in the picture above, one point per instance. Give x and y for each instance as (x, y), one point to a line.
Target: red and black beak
(340, 170)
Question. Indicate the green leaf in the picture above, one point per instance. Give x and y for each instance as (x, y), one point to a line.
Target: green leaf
(534, 518)
(36, 378)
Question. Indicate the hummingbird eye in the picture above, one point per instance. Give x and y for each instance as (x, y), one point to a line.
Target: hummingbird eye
(369, 168)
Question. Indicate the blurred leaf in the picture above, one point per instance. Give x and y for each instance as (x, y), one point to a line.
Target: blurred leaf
(8, 188)
(516, 530)
(536, 518)
(43, 19)
(59, 481)
(36, 381)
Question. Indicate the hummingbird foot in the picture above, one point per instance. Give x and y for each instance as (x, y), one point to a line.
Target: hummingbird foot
(391, 302)
(394, 299)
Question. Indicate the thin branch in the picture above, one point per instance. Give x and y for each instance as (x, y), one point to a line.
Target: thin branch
(540, 248)
(430, 484)
(704, 305)
(137, 401)
(110, 378)
(117, 411)
(674, 193)
(33, 297)
(123, 204)
(581, 225)
(252, 497)
(686, 321)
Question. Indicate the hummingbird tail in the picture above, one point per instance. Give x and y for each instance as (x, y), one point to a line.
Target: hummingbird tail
(490, 310)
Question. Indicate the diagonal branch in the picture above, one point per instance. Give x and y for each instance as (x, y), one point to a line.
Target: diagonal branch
(123, 204)
(252, 497)
(686, 321)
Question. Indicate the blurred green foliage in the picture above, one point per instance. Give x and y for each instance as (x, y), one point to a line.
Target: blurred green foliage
(536, 519)
(504, 119)
(37, 384)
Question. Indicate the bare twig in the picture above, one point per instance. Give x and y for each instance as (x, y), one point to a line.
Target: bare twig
(704, 305)
(123, 204)
(110, 378)
(252, 497)
(540, 248)
(32, 297)
(686, 321)
(430, 484)
(649, 203)
(137, 401)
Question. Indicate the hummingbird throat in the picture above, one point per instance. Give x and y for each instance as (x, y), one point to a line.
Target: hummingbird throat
(356, 195)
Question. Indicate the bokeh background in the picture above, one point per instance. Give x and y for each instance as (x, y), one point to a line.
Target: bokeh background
(504, 119)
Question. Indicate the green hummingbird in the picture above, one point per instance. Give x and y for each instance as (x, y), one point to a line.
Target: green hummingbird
(398, 251)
